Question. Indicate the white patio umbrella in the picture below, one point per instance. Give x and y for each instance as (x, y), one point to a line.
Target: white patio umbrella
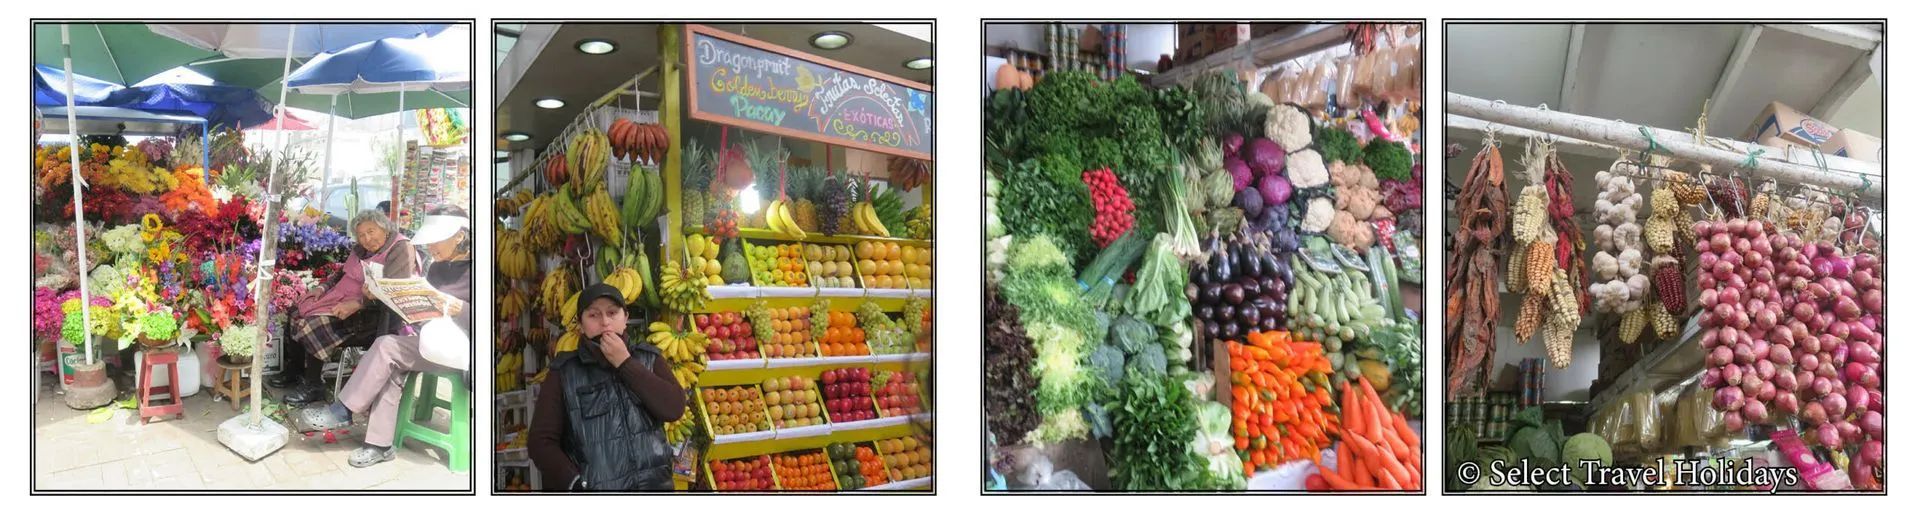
(272, 40)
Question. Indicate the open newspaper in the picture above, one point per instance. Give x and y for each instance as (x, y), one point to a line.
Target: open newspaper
(413, 298)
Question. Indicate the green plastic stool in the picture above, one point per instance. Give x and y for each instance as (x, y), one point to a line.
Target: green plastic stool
(417, 409)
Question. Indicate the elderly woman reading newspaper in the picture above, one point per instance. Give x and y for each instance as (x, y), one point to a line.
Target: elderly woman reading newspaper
(376, 386)
(344, 312)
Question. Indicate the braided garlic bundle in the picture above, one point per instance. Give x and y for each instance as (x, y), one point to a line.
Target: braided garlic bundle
(1619, 279)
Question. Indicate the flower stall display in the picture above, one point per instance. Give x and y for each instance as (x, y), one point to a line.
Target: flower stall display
(171, 246)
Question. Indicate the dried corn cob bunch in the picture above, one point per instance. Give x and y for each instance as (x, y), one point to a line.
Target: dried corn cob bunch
(1533, 310)
(1529, 225)
(1632, 324)
(1559, 339)
(1562, 322)
(1660, 227)
(1685, 190)
(1517, 267)
(1565, 305)
(1664, 325)
(1540, 266)
(1530, 216)
(1669, 285)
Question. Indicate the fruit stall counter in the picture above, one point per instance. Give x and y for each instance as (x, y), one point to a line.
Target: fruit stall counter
(799, 324)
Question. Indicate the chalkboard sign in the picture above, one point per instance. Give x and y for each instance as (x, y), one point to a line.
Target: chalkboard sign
(746, 83)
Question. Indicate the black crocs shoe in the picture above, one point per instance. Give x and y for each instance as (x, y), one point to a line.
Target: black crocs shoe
(305, 395)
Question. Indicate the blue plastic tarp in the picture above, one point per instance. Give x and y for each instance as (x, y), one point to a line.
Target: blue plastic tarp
(50, 86)
(221, 106)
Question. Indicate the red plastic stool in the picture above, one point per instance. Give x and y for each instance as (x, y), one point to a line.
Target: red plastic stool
(174, 407)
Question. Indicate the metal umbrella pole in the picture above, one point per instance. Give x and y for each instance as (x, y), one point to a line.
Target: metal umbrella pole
(326, 162)
(253, 435)
(79, 212)
(400, 155)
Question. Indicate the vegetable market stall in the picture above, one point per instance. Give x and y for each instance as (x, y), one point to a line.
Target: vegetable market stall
(1705, 295)
(1228, 266)
(793, 298)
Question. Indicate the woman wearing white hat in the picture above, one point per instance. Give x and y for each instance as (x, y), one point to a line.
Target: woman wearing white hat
(377, 383)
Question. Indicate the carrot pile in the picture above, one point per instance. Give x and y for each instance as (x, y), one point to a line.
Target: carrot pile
(1377, 450)
(1280, 399)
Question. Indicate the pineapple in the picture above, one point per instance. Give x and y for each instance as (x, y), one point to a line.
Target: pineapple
(802, 186)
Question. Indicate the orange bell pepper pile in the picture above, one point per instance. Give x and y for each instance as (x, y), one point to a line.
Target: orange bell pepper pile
(1280, 399)
(1377, 451)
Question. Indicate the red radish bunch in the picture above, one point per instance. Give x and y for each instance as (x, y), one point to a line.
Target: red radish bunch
(1112, 208)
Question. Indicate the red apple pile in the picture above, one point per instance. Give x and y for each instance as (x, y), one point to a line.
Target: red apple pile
(849, 394)
(729, 336)
(749, 474)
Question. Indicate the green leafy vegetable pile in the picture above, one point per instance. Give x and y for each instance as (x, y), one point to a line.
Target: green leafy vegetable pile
(1064, 332)
(1389, 160)
(1154, 425)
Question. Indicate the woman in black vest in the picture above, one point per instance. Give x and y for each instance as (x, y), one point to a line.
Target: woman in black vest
(599, 421)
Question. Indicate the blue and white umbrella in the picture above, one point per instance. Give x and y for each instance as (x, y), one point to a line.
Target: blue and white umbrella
(422, 63)
(387, 65)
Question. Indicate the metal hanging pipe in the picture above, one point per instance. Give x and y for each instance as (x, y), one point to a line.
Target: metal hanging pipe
(1680, 145)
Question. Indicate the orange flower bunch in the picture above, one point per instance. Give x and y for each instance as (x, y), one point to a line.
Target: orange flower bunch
(189, 193)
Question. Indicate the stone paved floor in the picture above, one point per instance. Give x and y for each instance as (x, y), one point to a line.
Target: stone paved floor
(184, 454)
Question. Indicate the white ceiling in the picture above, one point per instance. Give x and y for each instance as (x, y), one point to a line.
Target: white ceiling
(1658, 75)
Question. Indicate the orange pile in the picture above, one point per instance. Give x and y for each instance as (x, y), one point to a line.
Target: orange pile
(844, 336)
(807, 471)
(870, 466)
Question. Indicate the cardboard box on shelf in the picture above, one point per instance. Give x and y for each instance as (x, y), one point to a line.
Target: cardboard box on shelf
(1853, 144)
(1781, 121)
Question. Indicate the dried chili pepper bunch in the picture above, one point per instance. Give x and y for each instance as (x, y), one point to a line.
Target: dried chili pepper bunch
(1472, 287)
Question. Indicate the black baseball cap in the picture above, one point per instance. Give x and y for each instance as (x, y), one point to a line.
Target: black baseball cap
(595, 292)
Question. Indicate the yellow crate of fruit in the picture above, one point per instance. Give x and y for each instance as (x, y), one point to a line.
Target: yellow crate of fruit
(729, 336)
(907, 458)
(857, 465)
(843, 337)
(805, 470)
(734, 413)
(792, 334)
(793, 404)
(754, 473)
(830, 265)
(892, 265)
(776, 264)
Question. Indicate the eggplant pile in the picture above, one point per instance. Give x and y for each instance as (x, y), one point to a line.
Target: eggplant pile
(1241, 288)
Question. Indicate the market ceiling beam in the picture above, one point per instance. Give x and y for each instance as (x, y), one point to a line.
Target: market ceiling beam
(1730, 74)
(1842, 174)
(1852, 35)
(1570, 79)
(1280, 46)
(1844, 88)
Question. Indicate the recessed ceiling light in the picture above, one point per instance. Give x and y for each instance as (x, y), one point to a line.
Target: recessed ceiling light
(550, 103)
(919, 64)
(595, 46)
(832, 40)
(516, 136)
